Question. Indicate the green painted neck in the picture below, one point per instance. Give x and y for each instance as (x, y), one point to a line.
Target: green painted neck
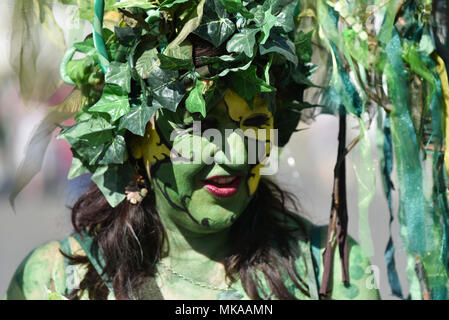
(186, 244)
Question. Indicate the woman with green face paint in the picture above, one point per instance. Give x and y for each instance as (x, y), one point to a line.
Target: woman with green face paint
(176, 143)
(206, 188)
(224, 232)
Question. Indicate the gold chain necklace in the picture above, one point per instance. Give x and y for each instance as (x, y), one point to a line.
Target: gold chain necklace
(224, 293)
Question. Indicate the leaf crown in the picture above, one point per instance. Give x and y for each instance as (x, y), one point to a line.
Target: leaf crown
(148, 63)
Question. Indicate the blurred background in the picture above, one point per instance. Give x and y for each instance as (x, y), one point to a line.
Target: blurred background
(41, 212)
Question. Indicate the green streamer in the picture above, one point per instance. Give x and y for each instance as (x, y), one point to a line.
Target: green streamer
(98, 35)
(406, 149)
(366, 176)
(385, 148)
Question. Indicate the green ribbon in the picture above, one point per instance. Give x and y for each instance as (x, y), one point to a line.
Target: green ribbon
(98, 35)
(385, 145)
(95, 257)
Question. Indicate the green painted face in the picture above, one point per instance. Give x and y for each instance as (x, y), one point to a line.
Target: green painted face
(201, 177)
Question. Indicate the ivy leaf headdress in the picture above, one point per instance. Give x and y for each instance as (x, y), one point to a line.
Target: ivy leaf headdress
(147, 64)
(374, 57)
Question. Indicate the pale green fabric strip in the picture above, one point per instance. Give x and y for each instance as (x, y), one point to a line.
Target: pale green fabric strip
(86, 242)
(67, 249)
(366, 176)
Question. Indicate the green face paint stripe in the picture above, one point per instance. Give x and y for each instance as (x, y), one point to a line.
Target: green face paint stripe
(166, 196)
(162, 140)
(156, 165)
(174, 205)
(169, 146)
(229, 114)
(154, 168)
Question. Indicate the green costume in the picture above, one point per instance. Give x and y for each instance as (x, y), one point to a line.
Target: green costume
(380, 55)
(45, 274)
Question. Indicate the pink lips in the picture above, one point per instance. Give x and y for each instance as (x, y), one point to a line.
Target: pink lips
(222, 186)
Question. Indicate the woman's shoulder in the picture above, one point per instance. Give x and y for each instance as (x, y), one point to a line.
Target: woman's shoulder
(43, 272)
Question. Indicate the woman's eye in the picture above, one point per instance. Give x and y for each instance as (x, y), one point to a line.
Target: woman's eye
(256, 120)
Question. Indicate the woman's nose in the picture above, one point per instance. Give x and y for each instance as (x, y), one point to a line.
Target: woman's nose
(234, 150)
(229, 150)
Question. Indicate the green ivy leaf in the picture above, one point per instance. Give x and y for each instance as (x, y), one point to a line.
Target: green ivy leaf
(136, 120)
(246, 84)
(114, 101)
(166, 89)
(268, 23)
(179, 57)
(77, 168)
(147, 62)
(80, 70)
(96, 130)
(303, 45)
(265, 20)
(127, 35)
(236, 69)
(182, 52)
(86, 46)
(172, 63)
(119, 74)
(281, 45)
(225, 63)
(115, 152)
(236, 6)
(112, 180)
(188, 22)
(286, 117)
(215, 26)
(284, 12)
(243, 41)
(195, 101)
(89, 153)
(170, 3)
